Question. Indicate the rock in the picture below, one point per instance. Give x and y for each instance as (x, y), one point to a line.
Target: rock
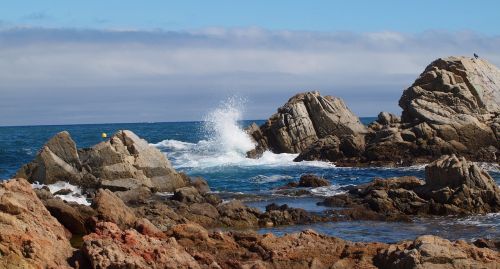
(305, 118)
(386, 118)
(111, 208)
(111, 247)
(57, 161)
(236, 214)
(453, 186)
(29, 236)
(135, 196)
(72, 215)
(62, 192)
(200, 184)
(187, 195)
(313, 181)
(458, 97)
(121, 163)
(435, 252)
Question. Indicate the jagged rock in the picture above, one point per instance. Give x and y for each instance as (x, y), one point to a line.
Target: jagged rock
(110, 207)
(452, 186)
(72, 215)
(458, 97)
(111, 247)
(57, 161)
(386, 118)
(188, 195)
(121, 163)
(434, 252)
(29, 236)
(305, 118)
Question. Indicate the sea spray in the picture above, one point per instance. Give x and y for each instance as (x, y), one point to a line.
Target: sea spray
(225, 133)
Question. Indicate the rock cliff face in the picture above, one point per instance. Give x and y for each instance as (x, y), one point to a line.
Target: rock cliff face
(304, 119)
(123, 162)
(452, 108)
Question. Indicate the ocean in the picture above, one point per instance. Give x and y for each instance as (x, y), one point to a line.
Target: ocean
(215, 150)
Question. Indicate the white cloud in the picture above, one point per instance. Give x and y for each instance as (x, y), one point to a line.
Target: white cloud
(61, 63)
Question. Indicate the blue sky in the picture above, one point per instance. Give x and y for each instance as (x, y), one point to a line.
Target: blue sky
(137, 61)
(322, 15)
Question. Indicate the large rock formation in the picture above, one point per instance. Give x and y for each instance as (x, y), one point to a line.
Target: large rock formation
(304, 119)
(29, 236)
(123, 162)
(452, 108)
(453, 186)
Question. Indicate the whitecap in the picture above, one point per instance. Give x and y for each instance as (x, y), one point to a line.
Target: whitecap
(74, 196)
(328, 190)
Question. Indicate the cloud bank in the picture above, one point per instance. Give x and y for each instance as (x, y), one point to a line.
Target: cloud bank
(55, 76)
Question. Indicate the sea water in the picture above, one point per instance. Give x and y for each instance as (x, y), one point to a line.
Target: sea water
(215, 150)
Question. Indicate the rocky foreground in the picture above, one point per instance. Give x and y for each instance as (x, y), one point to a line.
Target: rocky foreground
(128, 226)
(452, 108)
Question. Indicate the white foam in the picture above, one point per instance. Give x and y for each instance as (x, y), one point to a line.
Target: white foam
(226, 144)
(328, 190)
(272, 178)
(74, 196)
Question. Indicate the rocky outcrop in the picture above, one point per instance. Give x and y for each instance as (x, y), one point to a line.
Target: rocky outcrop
(453, 186)
(29, 236)
(121, 163)
(435, 252)
(452, 108)
(111, 247)
(304, 119)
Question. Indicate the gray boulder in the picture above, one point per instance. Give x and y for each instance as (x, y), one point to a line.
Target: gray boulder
(304, 119)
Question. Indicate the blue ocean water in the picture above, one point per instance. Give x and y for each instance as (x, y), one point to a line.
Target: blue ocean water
(215, 150)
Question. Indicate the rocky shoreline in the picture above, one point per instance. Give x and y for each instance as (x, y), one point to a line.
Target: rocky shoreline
(145, 214)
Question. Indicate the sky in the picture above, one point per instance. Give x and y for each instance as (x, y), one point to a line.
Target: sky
(67, 62)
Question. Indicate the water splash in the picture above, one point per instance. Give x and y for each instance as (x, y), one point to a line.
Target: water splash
(225, 134)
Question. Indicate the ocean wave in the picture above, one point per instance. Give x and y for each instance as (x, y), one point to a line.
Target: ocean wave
(225, 144)
(271, 178)
(328, 190)
(74, 196)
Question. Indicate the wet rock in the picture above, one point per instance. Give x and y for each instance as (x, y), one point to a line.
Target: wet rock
(62, 192)
(313, 181)
(29, 236)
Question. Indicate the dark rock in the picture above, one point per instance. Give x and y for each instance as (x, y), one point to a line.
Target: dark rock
(62, 192)
(313, 181)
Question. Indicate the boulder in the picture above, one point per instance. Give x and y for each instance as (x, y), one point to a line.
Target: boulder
(459, 98)
(305, 118)
(110, 207)
(72, 215)
(29, 236)
(58, 160)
